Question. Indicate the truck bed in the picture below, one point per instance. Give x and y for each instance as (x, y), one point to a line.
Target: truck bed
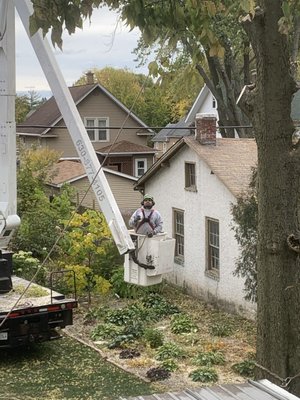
(8, 300)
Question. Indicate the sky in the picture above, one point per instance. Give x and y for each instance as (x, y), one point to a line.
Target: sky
(101, 43)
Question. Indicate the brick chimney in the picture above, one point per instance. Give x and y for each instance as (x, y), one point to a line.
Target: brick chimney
(90, 78)
(206, 128)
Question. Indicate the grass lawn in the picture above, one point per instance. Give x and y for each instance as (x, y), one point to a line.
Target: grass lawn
(61, 370)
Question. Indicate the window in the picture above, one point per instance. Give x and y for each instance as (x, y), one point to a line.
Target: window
(190, 176)
(214, 103)
(99, 133)
(213, 245)
(140, 166)
(178, 218)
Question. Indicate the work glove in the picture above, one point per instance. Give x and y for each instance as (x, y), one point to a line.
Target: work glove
(150, 235)
(137, 218)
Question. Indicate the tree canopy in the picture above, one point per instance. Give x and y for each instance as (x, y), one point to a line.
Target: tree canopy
(154, 103)
(224, 40)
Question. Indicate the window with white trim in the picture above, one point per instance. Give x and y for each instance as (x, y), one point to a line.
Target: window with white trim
(178, 233)
(99, 131)
(213, 245)
(140, 166)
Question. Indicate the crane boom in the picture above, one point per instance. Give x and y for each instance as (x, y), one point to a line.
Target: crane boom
(146, 261)
(77, 131)
(8, 190)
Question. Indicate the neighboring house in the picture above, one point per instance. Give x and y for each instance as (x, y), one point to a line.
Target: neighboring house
(204, 103)
(129, 158)
(194, 185)
(73, 173)
(103, 115)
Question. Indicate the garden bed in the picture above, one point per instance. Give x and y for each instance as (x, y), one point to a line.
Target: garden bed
(169, 336)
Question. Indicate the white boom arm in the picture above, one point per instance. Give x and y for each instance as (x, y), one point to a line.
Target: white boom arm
(8, 191)
(77, 131)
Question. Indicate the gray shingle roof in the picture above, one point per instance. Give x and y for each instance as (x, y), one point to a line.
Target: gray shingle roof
(171, 130)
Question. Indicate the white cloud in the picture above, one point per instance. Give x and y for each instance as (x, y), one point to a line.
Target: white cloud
(103, 42)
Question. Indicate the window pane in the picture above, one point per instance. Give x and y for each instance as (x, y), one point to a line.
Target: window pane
(179, 233)
(213, 252)
(190, 175)
(102, 134)
(90, 132)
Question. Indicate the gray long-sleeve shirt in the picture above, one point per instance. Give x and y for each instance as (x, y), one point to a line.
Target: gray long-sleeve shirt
(146, 228)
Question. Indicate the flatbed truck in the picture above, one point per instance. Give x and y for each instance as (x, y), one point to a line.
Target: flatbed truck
(38, 317)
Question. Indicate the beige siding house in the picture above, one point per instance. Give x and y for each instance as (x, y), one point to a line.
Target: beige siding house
(72, 172)
(102, 115)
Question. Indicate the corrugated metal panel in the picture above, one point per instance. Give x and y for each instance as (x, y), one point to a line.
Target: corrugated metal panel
(261, 390)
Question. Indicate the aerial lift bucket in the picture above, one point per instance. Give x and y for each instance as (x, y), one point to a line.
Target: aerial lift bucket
(152, 258)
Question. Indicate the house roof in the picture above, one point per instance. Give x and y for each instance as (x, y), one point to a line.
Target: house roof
(125, 147)
(190, 118)
(251, 390)
(231, 160)
(48, 114)
(68, 171)
(170, 132)
(178, 130)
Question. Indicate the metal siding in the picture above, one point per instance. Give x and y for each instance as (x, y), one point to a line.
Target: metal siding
(244, 391)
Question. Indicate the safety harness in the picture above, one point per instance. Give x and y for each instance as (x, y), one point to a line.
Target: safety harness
(145, 220)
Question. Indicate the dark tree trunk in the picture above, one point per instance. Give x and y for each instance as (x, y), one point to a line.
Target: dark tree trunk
(278, 315)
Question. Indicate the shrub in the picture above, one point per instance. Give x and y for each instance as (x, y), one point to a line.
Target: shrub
(204, 375)
(25, 266)
(181, 323)
(154, 337)
(168, 351)
(209, 358)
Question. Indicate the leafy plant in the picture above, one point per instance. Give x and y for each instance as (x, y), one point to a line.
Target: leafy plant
(129, 353)
(120, 341)
(134, 328)
(245, 218)
(86, 281)
(168, 351)
(93, 314)
(105, 331)
(204, 374)
(245, 368)
(123, 316)
(25, 266)
(209, 358)
(221, 329)
(181, 323)
(169, 365)
(123, 289)
(159, 304)
(154, 337)
(157, 374)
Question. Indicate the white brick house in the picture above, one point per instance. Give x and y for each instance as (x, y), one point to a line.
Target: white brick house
(194, 185)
